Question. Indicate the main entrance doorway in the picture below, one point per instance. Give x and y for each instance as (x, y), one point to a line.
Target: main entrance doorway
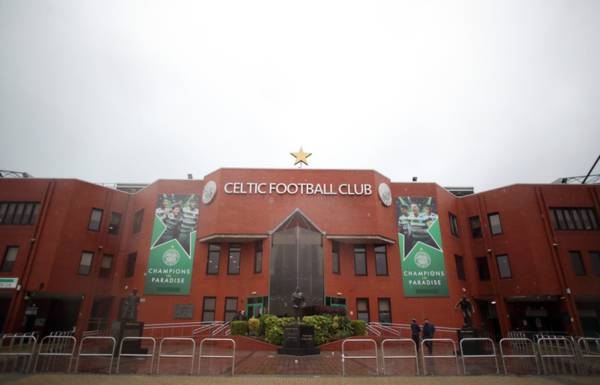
(296, 262)
(255, 306)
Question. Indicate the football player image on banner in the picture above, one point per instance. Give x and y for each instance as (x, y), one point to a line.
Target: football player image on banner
(421, 252)
(172, 248)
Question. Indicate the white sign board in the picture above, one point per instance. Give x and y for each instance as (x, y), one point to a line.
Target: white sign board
(8, 283)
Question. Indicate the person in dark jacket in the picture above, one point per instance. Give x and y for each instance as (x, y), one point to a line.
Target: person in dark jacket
(415, 331)
(428, 331)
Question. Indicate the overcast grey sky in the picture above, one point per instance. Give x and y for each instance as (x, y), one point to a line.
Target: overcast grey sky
(480, 93)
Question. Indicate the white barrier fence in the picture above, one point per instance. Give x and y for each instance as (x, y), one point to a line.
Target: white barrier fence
(425, 342)
(24, 349)
(232, 356)
(367, 357)
(519, 348)
(53, 347)
(409, 341)
(83, 353)
(557, 355)
(139, 354)
(171, 355)
(550, 354)
(478, 341)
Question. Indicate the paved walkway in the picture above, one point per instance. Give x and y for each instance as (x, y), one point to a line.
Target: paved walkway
(81, 379)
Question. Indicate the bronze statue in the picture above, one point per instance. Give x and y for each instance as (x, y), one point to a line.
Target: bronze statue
(298, 303)
(467, 310)
(129, 307)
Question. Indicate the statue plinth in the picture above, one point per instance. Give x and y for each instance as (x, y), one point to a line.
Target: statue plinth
(299, 340)
(128, 328)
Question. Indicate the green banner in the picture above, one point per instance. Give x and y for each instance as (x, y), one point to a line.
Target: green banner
(172, 248)
(421, 252)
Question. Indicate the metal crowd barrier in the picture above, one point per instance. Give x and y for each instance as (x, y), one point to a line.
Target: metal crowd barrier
(20, 352)
(80, 352)
(180, 339)
(346, 357)
(464, 355)
(399, 340)
(56, 347)
(554, 351)
(439, 340)
(519, 344)
(151, 355)
(212, 339)
(589, 351)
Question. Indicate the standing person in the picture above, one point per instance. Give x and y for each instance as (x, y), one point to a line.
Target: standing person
(415, 330)
(188, 223)
(428, 331)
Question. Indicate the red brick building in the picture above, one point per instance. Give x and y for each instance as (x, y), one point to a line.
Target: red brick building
(527, 256)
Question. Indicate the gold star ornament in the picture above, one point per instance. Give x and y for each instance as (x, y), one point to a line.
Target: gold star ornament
(301, 156)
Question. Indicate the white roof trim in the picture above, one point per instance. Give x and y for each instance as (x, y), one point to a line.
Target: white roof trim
(292, 214)
(232, 236)
(362, 237)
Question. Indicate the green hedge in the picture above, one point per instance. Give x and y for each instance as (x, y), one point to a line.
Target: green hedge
(322, 325)
(239, 328)
(327, 327)
(254, 326)
(359, 328)
(274, 328)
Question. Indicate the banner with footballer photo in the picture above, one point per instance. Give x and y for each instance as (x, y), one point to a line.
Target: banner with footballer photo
(420, 243)
(172, 248)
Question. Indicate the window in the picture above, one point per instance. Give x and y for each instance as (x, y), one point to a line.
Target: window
(335, 302)
(258, 256)
(115, 222)
(595, 258)
(503, 266)
(19, 213)
(475, 223)
(130, 269)
(453, 224)
(85, 264)
(95, 220)
(360, 260)
(574, 218)
(209, 304)
(362, 309)
(577, 262)
(10, 256)
(385, 310)
(483, 269)
(230, 308)
(233, 263)
(460, 267)
(106, 265)
(212, 264)
(495, 226)
(137, 221)
(381, 267)
(335, 257)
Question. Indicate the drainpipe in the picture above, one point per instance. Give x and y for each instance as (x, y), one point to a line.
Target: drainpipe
(560, 269)
(15, 309)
